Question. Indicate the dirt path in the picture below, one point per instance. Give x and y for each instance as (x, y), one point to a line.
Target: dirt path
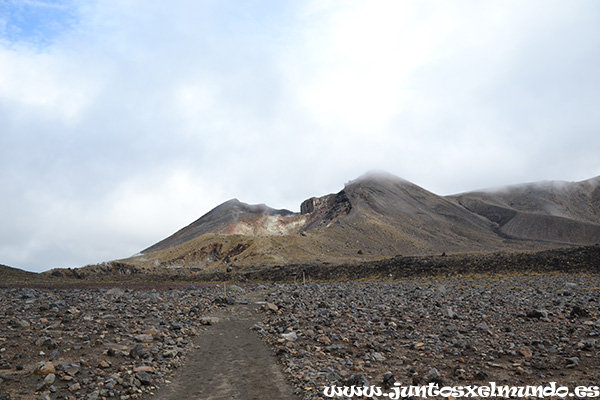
(230, 362)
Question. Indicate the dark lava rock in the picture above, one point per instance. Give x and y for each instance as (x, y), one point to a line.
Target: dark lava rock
(144, 377)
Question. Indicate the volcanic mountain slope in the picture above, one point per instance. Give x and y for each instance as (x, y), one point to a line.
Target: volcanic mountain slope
(381, 215)
(557, 212)
(232, 217)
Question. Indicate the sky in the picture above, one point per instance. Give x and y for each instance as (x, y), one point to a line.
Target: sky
(122, 121)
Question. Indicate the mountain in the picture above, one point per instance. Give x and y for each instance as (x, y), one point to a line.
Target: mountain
(381, 215)
(230, 217)
(11, 275)
(557, 212)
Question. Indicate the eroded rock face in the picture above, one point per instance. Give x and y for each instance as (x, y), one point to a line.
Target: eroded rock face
(267, 225)
(322, 211)
(310, 205)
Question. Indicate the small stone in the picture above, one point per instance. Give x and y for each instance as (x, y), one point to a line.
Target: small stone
(117, 292)
(325, 340)
(70, 368)
(578, 311)
(572, 362)
(271, 307)
(75, 387)
(49, 379)
(93, 396)
(150, 331)
(209, 320)
(45, 368)
(388, 380)
(542, 314)
(433, 376)
(139, 351)
(144, 377)
(525, 352)
(144, 338)
(292, 336)
(483, 326)
(143, 368)
(448, 312)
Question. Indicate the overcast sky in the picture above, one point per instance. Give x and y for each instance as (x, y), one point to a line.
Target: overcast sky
(123, 121)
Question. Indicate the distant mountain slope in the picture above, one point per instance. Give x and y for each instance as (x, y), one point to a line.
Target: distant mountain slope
(557, 212)
(11, 275)
(381, 215)
(224, 219)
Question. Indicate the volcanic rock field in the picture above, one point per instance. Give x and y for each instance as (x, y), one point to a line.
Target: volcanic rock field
(128, 343)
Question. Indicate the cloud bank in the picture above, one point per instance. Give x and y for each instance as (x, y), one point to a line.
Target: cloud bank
(121, 122)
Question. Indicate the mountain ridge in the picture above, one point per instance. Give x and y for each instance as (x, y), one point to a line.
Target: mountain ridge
(380, 215)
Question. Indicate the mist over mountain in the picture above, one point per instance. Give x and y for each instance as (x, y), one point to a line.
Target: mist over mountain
(381, 215)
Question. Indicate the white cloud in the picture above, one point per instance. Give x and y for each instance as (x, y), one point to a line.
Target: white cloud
(140, 113)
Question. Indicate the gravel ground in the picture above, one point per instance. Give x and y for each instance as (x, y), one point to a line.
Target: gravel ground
(512, 330)
(521, 329)
(97, 343)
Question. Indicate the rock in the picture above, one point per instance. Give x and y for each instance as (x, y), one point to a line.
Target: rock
(271, 307)
(572, 362)
(144, 377)
(209, 320)
(176, 326)
(543, 314)
(49, 379)
(483, 326)
(75, 387)
(44, 368)
(578, 311)
(448, 312)
(117, 292)
(139, 351)
(46, 342)
(170, 353)
(47, 382)
(70, 368)
(434, 376)
(144, 338)
(388, 380)
(324, 340)
(143, 368)
(152, 331)
(525, 351)
(586, 344)
(95, 395)
(236, 289)
(292, 336)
